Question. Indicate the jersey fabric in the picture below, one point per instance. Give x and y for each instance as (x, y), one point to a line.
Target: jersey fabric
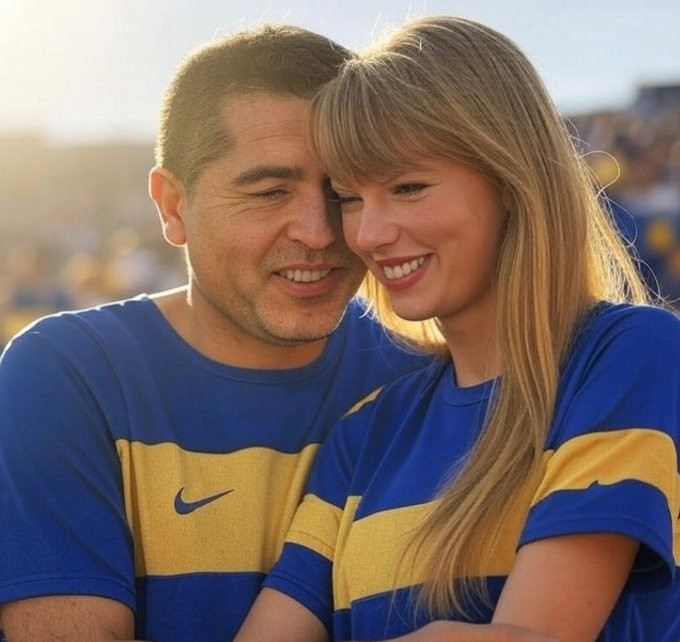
(610, 465)
(134, 468)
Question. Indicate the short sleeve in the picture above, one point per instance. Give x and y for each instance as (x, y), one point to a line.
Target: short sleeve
(611, 463)
(64, 527)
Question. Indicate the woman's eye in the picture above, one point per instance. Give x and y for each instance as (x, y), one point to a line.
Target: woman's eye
(343, 199)
(410, 189)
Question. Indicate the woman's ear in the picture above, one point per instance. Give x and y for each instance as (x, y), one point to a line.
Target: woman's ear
(167, 192)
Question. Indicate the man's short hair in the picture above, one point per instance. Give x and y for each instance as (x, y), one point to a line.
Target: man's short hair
(279, 59)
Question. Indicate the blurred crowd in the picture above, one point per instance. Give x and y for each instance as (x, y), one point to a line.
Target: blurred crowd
(635, 154)
(77, 227)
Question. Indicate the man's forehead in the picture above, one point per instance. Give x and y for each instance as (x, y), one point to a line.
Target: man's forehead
(253, 125)
(253, 108)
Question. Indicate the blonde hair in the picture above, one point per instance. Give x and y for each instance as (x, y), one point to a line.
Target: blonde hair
(445, 87)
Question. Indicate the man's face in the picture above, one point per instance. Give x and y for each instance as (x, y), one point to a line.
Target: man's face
(268, 262)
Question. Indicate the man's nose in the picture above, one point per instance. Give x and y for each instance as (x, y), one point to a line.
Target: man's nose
(314, 223)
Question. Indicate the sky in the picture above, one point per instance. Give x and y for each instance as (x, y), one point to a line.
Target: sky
(96, 70)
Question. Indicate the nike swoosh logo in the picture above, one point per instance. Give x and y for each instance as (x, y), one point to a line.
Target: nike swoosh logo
(184, 508)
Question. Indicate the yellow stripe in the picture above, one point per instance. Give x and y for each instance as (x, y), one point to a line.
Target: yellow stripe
(373, 557)
(241, 531)
(609, 457)
(316, 526)
(362, 402)
(376, 556)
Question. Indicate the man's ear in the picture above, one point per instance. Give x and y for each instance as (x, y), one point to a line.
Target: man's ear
(168, 194)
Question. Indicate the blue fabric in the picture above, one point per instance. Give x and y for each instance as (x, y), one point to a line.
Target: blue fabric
(134, 468)
(611, 465)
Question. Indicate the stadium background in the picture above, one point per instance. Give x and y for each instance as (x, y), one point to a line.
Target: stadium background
(77, 227)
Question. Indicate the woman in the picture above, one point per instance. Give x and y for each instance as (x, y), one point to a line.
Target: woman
(528, 484)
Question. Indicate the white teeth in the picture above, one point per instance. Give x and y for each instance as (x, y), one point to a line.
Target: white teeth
(304, 276)
(400, 271)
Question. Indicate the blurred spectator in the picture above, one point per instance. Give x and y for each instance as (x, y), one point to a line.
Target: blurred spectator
(28, 291)
(88, 280)
(137, 265)
(647, 190)
(635, 154)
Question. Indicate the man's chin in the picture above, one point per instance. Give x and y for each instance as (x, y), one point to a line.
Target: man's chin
(294, 339)
(308, 330)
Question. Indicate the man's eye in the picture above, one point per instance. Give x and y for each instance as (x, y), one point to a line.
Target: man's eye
(410, 189)
(270, 194)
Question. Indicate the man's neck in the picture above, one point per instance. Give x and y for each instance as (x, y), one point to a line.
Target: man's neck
(224, 345)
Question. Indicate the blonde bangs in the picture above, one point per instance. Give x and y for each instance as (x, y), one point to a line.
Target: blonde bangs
(368, 125)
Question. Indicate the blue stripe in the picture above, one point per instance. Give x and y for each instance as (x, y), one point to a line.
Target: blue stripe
(630, 507)
(308, 565)
(219, 604)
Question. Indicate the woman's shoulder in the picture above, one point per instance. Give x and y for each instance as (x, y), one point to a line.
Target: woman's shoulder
(623, 346)
(631, 323)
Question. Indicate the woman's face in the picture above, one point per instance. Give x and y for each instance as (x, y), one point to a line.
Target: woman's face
(431, 236)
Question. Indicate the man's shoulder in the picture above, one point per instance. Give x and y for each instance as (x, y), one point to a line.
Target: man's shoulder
(72, 328)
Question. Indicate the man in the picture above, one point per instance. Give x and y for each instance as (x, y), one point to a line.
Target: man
(152, 451)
